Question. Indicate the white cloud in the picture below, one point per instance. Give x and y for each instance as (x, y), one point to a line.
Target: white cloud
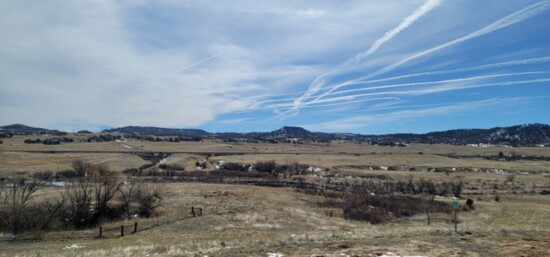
(166, 63)
(87, 64)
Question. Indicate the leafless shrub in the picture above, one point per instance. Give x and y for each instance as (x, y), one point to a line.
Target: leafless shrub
(470, 204)
(79, 197)
(15, 208)
(43, 175)
(265, 166)
(510, 177)
(357, 211)
(457, 188)
(149, 197)
(51, 208)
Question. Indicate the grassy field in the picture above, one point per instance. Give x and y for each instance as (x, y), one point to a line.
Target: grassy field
(335, 156)
(215, 146)
(254, 221)
(21, 162)
(245, 220)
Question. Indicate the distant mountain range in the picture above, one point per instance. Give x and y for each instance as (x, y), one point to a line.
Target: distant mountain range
(159, 131)
(520, 135)
(20, 129)
(530, 134)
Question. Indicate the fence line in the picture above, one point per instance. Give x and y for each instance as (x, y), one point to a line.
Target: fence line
(146, 224)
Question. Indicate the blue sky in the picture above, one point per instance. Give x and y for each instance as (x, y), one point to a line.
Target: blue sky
(369, 67)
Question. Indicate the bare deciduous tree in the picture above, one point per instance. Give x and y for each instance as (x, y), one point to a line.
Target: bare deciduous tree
(52, 207)
(79, 196)
(149, 197)
(15, 209)
(127, 194)
(105, 187)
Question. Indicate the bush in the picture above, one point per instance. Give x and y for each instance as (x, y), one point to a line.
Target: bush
(43, 175)
(67, 174)
(470, 204)
(379, 209)
(235, 166)
(366, 213)
(267, 166)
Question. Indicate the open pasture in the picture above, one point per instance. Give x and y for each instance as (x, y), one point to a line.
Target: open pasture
(510, 218)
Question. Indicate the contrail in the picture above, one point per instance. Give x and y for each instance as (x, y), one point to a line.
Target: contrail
(432, 82)
(349, 101)
(362, 80)
(269, 104)
(281, 105)
(508, 20)
(511, 19)
(199, 62)
(425, 8)
(317, 84)
(436, 89)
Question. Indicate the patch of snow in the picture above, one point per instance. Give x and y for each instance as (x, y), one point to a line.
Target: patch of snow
(72, 247)
(127, 146)
(275, 255)
(220, 165)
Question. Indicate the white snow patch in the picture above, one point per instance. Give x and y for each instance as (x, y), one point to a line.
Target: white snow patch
(72, 247)
(275, 255)
(220, 164)
(127, 146)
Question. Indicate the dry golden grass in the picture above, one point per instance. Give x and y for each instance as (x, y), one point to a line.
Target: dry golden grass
(244, 220)
(187, 161)
(32, 162)
(215, 146)
(348, 162)
(252, 221)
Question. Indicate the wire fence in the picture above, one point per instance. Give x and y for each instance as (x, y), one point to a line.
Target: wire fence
(146, 224)
(107, 231)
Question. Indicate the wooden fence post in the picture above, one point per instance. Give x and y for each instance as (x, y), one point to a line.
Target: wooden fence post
(135, 227)
(100, 231)
(122, 230)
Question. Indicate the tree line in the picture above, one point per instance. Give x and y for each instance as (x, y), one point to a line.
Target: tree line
(95, 195)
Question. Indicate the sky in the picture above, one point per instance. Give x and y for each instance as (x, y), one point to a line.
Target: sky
(370, 67)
